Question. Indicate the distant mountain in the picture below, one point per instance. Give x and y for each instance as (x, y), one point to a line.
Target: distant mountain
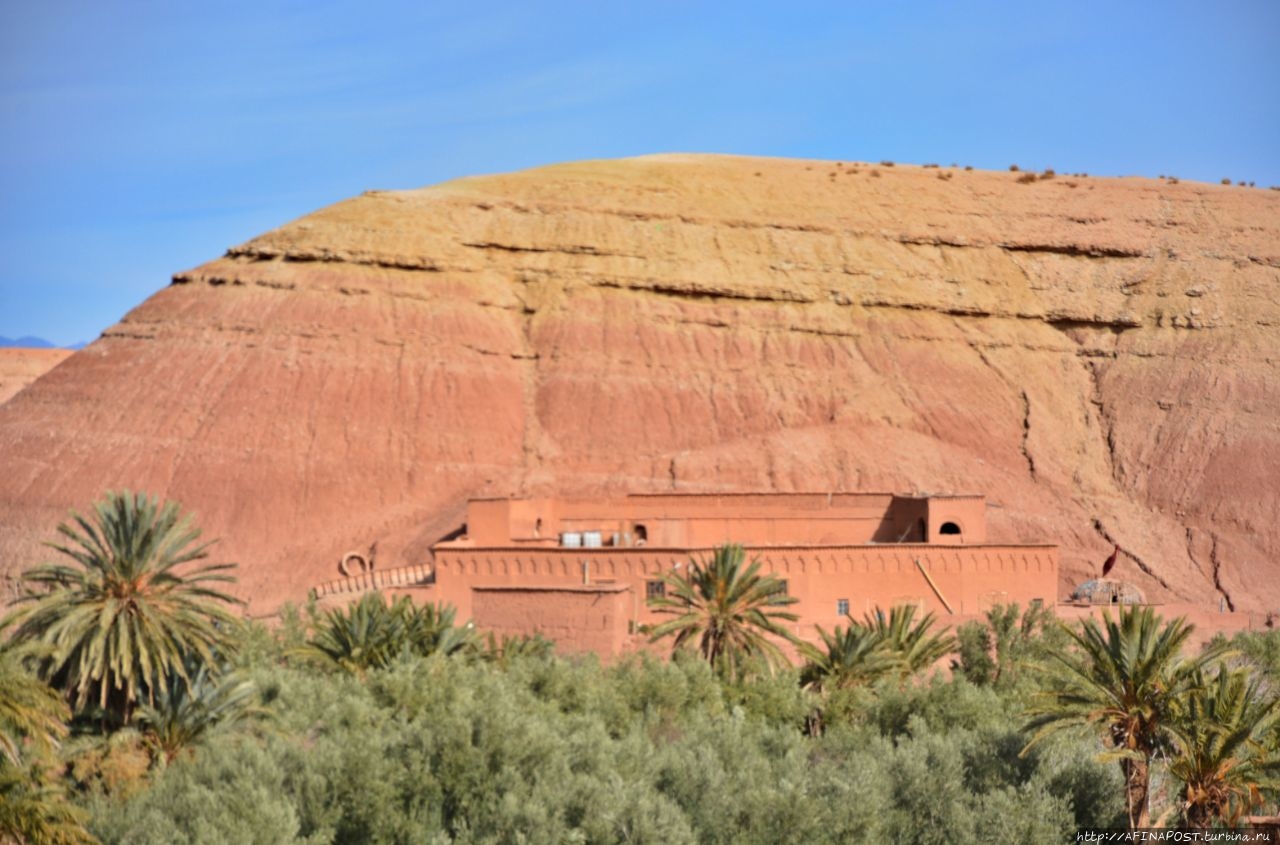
(29, 342)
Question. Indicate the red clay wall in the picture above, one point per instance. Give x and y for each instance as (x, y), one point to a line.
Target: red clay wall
(579, 619)
(970, 578)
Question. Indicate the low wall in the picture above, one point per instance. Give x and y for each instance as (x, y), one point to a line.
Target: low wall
(377, 579)
(579, 619)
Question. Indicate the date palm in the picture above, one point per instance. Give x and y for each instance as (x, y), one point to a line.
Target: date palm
(431, 629)
(125, 612)
(1221, 755)
(370, 634)
(1126, 679)
(33, 805)
(31, 713)
(850, 657)
(365, 635)
(190, 709)
(729, 611)
(911, 641)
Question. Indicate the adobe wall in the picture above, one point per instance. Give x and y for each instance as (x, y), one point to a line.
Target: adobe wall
(969, 578)
(579, 619)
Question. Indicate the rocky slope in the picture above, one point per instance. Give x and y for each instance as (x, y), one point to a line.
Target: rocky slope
(19, 367)
(1098, 356)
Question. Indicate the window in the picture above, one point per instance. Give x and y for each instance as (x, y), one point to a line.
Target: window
(842, 607)
(785, 586)
(655, 589)
(641, 534)
(949, 528)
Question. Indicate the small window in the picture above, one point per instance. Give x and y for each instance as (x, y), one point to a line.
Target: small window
(655, 589)
(842, 607)
(641, 534)
(949, 528)
(785, 587)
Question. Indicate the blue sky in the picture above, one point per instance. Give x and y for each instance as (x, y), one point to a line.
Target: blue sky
(139, 139)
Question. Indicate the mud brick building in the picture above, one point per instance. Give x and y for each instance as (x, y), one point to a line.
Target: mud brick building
(580, 572)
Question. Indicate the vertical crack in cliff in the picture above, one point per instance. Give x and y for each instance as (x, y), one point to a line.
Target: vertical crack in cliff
(532, 428)
(1141, 564)
(1216, 565)
(1106, 425)
(1026, 434)
(1191, 553)
(1024, 444)
(1217, 572)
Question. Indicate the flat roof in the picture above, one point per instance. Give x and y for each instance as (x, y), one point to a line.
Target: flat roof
(648, 549)
(730, 495)
(552, 588)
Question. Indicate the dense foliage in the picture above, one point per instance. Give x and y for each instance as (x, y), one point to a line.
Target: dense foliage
(549, 750)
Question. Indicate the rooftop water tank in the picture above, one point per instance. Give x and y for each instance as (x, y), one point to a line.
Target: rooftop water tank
(571, 539)
(592, 539)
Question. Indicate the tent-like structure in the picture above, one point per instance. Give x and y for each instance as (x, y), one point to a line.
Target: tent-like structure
(1107, 591)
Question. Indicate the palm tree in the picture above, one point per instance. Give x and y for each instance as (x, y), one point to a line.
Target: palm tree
(910, 641)
(850, 657)
(729, 610)
(1221, 757)
(365, 635)
(184, 714)
(430, 628)
(507, 649)
(121, 617)
(880, 645)
(31, 712)
(369, 634)
(34, 808)
(33, 805)
(1125, 679)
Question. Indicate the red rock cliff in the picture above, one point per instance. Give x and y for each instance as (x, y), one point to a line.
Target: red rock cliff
(1097, 356)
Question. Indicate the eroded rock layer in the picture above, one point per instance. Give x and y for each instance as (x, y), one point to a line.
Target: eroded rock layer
(1097, 356)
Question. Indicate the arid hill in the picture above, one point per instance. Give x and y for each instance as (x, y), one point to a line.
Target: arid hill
(1097, 356)
(19, 367)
